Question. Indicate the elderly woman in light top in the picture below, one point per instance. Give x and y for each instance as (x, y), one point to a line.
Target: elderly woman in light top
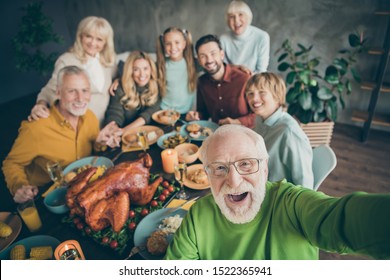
(290, 152)
(245, 44)
(93, 51)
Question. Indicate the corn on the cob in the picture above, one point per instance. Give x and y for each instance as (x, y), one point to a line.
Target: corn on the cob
(18, 253)
(5, 230)
(51, 188)
(41, 253)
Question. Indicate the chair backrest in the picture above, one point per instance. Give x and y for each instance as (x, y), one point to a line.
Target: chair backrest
(324, 161)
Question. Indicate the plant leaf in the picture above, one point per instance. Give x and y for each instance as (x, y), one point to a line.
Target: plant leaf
(304, 100)
(282, 57)
(324, 93)
(356, 75)
(291, 77)
(304, 76)
(331, 110)
(292, 94)
(283, 66)
(332, 75)
(354, 40)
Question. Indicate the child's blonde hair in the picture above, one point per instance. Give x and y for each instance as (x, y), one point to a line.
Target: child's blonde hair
(131, 99)
(271, 82)
(102, 28)
(188, 55)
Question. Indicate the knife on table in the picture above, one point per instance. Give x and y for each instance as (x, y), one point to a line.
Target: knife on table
(171, 210)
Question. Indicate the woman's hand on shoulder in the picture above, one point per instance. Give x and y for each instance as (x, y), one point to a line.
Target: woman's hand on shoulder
(39, 111)
(114, 87)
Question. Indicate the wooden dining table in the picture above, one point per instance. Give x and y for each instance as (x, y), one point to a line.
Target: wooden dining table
(53, 225)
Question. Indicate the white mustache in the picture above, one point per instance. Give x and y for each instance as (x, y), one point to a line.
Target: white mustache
(242, 188)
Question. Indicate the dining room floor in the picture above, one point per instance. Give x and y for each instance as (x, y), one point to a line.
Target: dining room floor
(360, 166)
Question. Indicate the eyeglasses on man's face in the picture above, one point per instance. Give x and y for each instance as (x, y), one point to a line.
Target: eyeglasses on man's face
(243, 167)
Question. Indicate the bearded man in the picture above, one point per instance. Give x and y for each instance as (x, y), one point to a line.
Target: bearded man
(247, 217)
(220, 93)
(70, 132)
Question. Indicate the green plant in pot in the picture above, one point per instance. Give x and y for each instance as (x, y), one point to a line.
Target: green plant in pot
(311, 95)
(35, 31)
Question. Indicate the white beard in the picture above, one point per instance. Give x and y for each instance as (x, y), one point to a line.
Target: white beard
(241, 214)
(75, 111)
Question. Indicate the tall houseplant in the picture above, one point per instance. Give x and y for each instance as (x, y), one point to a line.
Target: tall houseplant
(313, 96)
(35, 31)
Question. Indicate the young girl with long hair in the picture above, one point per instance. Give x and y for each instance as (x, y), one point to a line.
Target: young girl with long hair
(176, 69)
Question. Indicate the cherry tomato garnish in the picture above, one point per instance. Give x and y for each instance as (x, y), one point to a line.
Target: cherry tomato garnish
(165, 192)
(165, 184)
(132, 226)
(131, 214)
(80, 226)
(144, 212)
(87, 230)
(113, 244)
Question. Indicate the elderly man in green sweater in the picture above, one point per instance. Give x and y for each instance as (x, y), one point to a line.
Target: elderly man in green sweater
(247, 217)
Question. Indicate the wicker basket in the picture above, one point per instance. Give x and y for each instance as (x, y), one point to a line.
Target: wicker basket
(319, 133)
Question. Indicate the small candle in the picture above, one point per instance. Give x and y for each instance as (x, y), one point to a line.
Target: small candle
(69, 250)
(169, 159)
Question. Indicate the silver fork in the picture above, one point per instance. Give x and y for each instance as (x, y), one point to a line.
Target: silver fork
(135, 250)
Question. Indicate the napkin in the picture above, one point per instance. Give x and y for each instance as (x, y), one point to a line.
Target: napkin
(176, 202)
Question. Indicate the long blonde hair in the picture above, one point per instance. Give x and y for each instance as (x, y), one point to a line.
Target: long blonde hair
(132, 99)
(188, 55)
(101, 27)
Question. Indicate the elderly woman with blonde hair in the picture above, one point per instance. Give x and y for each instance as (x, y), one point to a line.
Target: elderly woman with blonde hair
(245, 44)
(137, 96)
(93, 50)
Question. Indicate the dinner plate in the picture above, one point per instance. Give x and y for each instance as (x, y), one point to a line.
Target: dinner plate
(88, 160)
(160, 141)
(156, 117)
(149, 129)
(150, 224)
(212, 125)
(30, 242)
(16, 225)
(191, 184)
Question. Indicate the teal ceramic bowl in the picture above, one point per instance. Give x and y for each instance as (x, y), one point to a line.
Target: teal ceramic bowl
(55, 201)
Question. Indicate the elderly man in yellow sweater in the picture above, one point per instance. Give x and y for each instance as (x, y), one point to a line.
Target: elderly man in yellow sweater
(70, 132)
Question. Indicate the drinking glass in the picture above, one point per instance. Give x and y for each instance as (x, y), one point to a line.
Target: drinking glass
(173, 116)
(55, 171)
(30, 215)
(181, 175)
(142, 140)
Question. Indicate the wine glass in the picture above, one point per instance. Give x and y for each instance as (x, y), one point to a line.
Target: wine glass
(142, 140)
(181, 175)
(173, 116)
(55, 171)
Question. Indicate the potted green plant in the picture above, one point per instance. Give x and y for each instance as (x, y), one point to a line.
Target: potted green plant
(35, 31)
(312, 96)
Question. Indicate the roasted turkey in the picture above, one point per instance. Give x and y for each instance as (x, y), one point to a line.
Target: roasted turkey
(106, 201)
